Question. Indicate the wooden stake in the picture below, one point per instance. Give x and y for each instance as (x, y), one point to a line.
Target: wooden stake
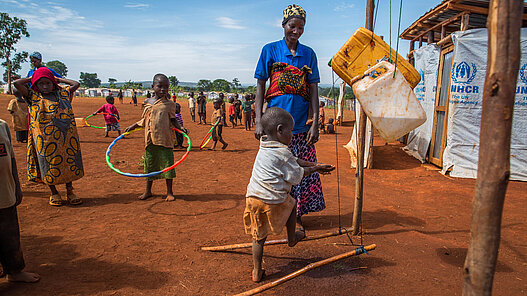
(359, 177)
(274, 242)
(503, 60)
(290, 276)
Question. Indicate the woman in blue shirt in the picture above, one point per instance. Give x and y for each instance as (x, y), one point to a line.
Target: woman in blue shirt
(292, 70)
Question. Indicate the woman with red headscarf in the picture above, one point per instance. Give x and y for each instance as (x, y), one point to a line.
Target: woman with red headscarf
(53, 154)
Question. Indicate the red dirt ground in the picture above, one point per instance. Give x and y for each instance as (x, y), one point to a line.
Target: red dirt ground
(115, 244)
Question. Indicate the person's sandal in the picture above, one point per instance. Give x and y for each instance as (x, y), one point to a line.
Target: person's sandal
(73, 199)
(55, 200)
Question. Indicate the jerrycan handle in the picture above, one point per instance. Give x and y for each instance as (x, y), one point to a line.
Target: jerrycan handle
(377, 71)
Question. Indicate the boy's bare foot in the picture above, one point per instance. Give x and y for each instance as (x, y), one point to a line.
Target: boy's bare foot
(145, 195)
(300, 234)
(23, 277)
(258, 275)
(224, 146)
(170, 197)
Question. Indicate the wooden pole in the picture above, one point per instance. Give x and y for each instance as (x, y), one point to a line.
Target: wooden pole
(275, 242)
(359, 175)
(290, 276)
(503, 59)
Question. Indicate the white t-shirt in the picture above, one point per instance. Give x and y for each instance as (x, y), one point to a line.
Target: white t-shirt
(275, 171)
(191, 102)
(7, 183)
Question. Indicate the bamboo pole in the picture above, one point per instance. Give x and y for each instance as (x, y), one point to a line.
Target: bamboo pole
(275, 242)
(503, 59)
(359, 177)
(290, 276)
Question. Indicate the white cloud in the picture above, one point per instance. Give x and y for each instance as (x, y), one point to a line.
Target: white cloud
(229, 23)
(136, 5)
(343, 6)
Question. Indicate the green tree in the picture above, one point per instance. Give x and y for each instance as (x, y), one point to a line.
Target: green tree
(204, 85)
(11, 30)
(221, 85)
(251, 89)
(112, 82)
(59, 67)
(173, 82)
(89, 80)
(15, 65)
(236, 84)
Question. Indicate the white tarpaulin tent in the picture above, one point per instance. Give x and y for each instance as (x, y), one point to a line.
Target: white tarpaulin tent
(426, 61)
(467, 80)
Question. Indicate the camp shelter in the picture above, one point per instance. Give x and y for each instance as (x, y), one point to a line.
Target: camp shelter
(452, 67)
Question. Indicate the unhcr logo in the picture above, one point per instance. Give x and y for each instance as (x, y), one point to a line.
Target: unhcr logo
(523, 74)
(422, 73)
(463, 73)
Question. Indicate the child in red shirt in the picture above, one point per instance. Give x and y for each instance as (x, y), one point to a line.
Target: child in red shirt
(112, 117)
(232, 112)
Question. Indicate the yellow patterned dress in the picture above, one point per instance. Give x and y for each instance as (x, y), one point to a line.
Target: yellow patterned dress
(53, 151)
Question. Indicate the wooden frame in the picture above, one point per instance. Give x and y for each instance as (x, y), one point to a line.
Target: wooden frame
(439, 161)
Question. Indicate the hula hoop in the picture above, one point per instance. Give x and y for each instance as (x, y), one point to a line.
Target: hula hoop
(152, 173)
(201, 145)
(87, 124)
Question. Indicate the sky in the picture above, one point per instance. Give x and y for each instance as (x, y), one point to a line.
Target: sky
(192, 40)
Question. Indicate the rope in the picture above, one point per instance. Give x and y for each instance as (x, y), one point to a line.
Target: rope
(390, 31)
(398, 33)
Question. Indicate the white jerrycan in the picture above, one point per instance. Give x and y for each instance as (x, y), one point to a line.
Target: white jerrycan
(388, 101)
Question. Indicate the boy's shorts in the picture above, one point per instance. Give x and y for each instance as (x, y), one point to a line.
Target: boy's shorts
(262, 219)
(113, 127)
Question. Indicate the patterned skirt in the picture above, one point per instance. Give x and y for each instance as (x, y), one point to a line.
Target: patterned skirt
(158, 158)
(309, 192)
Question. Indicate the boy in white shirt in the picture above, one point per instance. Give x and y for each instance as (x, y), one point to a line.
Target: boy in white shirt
(192, 106)
(269, 207)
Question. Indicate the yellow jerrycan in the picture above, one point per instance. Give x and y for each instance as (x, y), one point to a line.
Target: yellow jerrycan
(365, 49)
(389, 101)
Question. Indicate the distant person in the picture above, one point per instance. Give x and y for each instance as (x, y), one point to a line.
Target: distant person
(192, 106)
(247, 110)
(217, 116)
(20, 113)
(111, 118)
(232, 112)
(330, 128)
(174, 97)
(253, 110)
(223, 109)
(202, 108)
(179, 119)
(53, 158)
(148, 95)
(268, 204)
(157, 118)
(134, 98)
(238, 108)
(36, 61)
(11, 256)
(322, 117)
(120, 96)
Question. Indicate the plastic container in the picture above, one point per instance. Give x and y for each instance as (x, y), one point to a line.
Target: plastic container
(365, 49)
(388, 101)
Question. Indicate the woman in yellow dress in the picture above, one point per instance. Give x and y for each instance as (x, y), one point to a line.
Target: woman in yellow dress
(53, 154)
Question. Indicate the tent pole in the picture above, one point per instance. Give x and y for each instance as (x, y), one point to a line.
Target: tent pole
(359, 176)
(503, 60)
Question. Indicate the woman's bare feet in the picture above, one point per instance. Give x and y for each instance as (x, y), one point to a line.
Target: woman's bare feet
(145, 195)
(170, 197)
(23, 277)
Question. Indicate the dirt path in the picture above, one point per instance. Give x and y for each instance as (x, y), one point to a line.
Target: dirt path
(115, 244)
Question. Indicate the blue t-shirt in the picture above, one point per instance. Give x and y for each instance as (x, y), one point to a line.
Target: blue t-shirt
(30, 73)
(296, 105)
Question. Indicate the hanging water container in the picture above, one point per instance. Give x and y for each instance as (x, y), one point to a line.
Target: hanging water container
(365, 49)
(388, 101)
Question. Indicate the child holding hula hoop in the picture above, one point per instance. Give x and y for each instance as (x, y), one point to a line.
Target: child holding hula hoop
(111, 116)
(217, 116)
(53, 148)
(157, 117)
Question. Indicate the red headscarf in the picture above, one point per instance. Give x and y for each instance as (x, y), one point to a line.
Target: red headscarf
(41, 73)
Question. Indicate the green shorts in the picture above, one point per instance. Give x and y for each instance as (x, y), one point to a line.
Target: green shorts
(158, 158)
